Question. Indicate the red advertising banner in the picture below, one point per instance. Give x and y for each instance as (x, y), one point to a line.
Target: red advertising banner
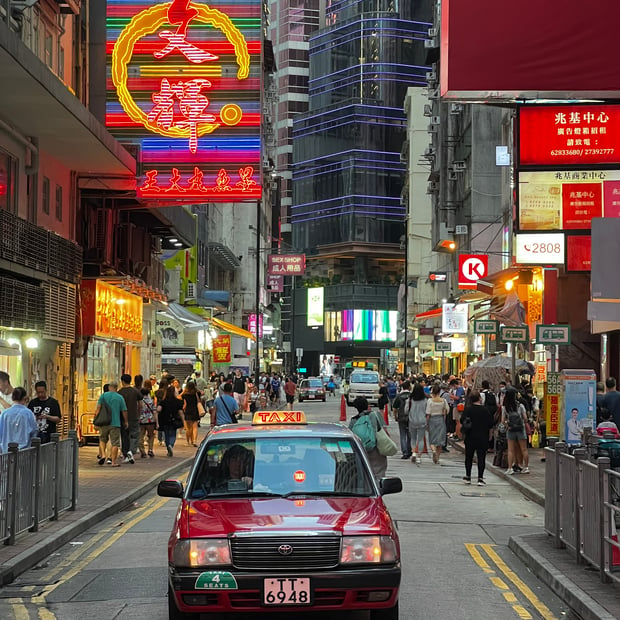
(580, 203)
(221, 350)
(482, 59)
(569, 134)
(286, 264)
(578, 253)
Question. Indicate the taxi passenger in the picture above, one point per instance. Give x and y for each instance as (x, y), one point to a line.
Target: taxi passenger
(236, 467)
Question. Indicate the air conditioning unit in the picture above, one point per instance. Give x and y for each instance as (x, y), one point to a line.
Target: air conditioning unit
(436, 120)
(428, 110)
(433, 32)
(456, 108)
(431, 43)
(172, 284)
(459, 166)
(191, 292)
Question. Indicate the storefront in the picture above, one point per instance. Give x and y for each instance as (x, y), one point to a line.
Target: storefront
(110, 324)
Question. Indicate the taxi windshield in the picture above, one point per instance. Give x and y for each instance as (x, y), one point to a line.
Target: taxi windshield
(311, 383)
(281, 466)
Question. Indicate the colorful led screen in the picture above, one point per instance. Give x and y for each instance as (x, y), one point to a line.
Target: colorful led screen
(184, 82)
(376, 325)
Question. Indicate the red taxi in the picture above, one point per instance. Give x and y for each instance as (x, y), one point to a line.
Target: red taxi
(311, 389)
(282, 515)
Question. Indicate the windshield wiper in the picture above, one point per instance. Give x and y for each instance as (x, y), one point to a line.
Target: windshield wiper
(323, 494)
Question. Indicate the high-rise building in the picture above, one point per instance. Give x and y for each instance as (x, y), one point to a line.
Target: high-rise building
(347, 213)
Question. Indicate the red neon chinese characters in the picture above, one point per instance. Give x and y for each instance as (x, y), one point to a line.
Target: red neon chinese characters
(195, 182)
(222, 182)
(180, 13)
(163, 112)
(246, 181)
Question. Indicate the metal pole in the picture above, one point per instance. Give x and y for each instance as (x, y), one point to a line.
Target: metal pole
(36, 445)
(55, 439)
(12, 495)
(74, 474)
(257, 307)
(513, 363)
(406, 294)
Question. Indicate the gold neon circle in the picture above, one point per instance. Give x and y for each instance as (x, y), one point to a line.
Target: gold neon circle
(231, 114)
(148, 22)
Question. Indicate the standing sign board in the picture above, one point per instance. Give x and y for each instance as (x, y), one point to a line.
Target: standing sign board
(442, 347)
(514, 334)
(454, 318)
(578, 404)
(553, 334)
(486, 327)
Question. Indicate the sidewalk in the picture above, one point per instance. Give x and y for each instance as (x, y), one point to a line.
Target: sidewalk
(102, 492)
(578, 585)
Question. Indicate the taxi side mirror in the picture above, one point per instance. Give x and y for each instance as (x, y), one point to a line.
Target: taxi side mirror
(390, 485)
(170, 488)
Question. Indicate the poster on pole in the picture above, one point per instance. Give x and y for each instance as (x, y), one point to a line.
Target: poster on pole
(579, 403)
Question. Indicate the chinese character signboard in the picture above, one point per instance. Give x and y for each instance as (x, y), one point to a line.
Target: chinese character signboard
(454, 318)
(286, 264)
(472, 267)
(514, 334)
(567, 200)
(553, 334)
(486, 327)
(186, 79)
(552, 404)
(569, 134)
(443, 346)
(221, 350)
(275, 283)
(252, 324)
(110, 312)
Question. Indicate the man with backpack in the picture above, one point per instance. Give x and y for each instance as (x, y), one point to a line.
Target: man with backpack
(401, 415)
(392, 390)
(365, 425)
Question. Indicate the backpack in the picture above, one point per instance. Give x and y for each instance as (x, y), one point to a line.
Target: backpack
(364, 428)
(515, 420)
(490, 402)
(392, 389)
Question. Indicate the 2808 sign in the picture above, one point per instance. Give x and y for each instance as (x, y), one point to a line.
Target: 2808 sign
(539, 248)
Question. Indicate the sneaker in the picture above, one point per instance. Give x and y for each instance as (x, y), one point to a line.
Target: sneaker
(466, 480)
(108, 461)
(419, 459)
(510, 471)
(481, 482)
(526, 470)
(404, 457)
(130, 457)
(169, 450)
(151, 455)
(414, 458)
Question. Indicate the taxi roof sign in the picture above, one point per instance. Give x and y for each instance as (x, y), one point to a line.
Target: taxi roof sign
(279, 417)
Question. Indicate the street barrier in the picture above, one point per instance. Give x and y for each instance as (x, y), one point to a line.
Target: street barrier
(37, 484)
(582, 507)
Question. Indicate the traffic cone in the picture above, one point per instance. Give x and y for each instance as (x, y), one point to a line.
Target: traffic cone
(386, 418)
(343, 409)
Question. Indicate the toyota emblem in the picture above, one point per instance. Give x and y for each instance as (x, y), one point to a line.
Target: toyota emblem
(285, 549)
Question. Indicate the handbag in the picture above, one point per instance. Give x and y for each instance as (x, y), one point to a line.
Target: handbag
(104, 417)
(201, 410)
(535, 440)
(385, 444)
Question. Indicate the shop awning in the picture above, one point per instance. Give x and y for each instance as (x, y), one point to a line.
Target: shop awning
(429, 314)
(232, 329)
(189, 320)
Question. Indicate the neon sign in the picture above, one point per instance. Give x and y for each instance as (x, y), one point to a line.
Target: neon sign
(187, 83)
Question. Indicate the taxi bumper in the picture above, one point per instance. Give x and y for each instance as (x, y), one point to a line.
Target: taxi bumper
(367, 588)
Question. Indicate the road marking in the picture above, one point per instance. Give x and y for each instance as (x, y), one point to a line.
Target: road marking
(540, 607)
(19, 610)
(509, 596)
(46, 614)
(105, 545)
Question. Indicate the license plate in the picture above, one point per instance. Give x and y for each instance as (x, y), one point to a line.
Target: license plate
(311, 396)
(287, 591)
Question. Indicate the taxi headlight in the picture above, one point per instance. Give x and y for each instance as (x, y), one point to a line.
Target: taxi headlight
(202, 552)
(368, 550)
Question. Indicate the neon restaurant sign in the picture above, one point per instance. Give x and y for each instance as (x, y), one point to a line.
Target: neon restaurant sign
(184, 80)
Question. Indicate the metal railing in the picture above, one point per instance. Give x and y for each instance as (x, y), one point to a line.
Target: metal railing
(582, 507)
(37, 484)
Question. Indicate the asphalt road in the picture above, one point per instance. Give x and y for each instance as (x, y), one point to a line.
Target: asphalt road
(456, 563)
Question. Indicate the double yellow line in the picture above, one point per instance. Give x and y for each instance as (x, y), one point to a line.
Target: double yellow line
(78, 560)
(476, 551)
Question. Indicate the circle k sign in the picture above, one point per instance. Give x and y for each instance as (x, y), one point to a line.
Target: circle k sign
(472, 267)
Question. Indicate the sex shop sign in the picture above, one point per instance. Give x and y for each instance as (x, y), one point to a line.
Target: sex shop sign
(185, 83)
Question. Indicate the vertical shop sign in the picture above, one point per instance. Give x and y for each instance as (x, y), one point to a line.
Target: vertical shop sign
(221, 350)
(552, 404)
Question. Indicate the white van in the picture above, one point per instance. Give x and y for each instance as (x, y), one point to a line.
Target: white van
(364, 383)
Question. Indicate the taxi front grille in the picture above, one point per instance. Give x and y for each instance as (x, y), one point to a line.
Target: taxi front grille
(308, 552)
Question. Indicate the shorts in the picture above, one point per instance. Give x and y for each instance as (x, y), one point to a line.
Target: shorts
(516, 435)
(111, 433)
(290, 398)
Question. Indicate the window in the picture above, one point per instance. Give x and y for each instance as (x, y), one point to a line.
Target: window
(8, 177)
(59, 203)
(49, 50)
(45, 198)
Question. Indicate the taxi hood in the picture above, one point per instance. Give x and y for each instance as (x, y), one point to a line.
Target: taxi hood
(345, 516)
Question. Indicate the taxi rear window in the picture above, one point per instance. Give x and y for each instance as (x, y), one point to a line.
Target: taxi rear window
(280, 466)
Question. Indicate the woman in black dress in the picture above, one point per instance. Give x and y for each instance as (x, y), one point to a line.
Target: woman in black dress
(476, 424)
(191, 398)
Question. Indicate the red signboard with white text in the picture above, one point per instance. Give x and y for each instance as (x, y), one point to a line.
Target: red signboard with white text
(286, 264)
(578, 253)
(472, 267)
(569, 135)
